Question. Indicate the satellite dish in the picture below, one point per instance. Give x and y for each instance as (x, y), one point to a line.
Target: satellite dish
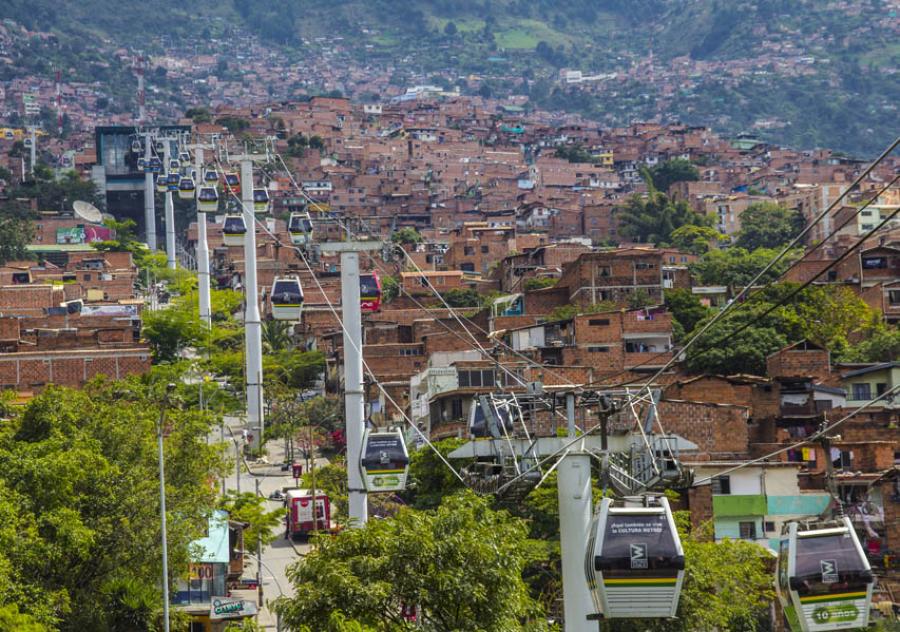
(87, 211)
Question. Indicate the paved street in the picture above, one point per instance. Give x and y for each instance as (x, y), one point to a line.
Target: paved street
(279, 555)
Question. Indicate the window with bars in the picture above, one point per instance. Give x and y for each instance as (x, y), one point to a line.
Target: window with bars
(721, 485)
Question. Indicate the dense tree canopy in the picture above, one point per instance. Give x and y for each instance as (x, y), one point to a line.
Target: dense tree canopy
(741, 341)
(654, 218)
(460, 564)
(79, 502)
(665, 174)
(736, 267)
(768, 225)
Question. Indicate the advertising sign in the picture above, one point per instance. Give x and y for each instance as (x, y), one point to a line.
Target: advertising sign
(231, 608)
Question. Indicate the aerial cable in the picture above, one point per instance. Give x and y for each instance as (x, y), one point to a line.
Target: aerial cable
(811, 439)
(343, 328)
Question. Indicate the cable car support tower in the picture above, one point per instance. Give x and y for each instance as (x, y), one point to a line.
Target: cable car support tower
(631, 463)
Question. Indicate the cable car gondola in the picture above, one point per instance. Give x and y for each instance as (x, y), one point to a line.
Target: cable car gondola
(186, 189)
(234, 229)
(635, 563)
(287, 298)
(260, 200)
(211, 177)
(232, 183)
(142, 165)
(385, 461)
(136, 147)
(174, 165)
(162, 183)
(369, 292)
(155, 165)
(300, 228)
(208, 200)
(184, 158)
(172, 181)
(823, 579)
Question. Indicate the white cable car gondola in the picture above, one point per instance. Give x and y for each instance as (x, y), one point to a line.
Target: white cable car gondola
(234, 229)
(300, 228)
(186, 189)
(174, 165)
(211, 176)
(184, 158)
(823, 579)
(162, 183)
(635, 563)
(208, 200)
(287, 298)
(136, 147)
(155, 165)
(260, 200)
(142, 165)
(385, 461)
(172, 181)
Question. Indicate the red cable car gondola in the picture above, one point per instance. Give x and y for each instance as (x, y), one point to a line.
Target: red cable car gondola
(369, 292)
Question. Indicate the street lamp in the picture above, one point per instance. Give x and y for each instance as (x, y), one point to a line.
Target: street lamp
(160, 429)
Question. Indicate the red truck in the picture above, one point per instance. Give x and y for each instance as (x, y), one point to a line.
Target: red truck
(299, 519)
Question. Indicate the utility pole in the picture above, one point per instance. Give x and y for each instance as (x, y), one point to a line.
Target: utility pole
(311, 451)
(149, 199)
(575, 505)
(160, 428)
(33, 148)
(202, 248)
(252, 324)
(259, 586)
(170, 212)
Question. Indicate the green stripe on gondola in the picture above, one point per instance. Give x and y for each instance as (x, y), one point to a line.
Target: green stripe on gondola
(666, 582)
(371, 471)
(835, 597)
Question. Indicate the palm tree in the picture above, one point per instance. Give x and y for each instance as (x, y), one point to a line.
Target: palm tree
(276, 336)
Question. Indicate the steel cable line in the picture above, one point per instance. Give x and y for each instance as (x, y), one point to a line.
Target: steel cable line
(736, 302)
(811, 439)
(371, 374)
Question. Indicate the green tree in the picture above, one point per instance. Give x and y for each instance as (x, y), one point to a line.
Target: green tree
(686, 310)
(537, 283)
(768, 225)
(461, 564)
(882, 346)
(406, 236)
(198, 115)
(736, 267)
(462, 297)
(276, 336)
(79, 469)
(654, 218)
(12, 619)
(429, 479)
(450, 30)
(665, 174)
(170, 331)
(249, 508)
(696, 240)
(390, 288)
(16, 231)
